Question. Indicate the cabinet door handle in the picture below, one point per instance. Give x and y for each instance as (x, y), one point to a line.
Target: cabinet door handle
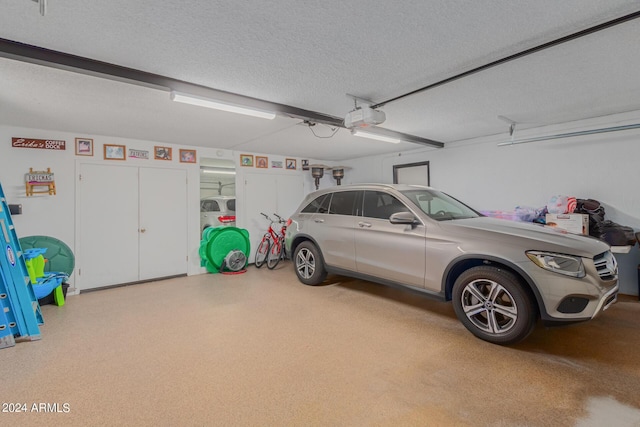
(142, 230)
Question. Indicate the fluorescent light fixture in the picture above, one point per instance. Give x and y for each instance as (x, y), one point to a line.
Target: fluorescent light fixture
(371, 135)
(219, 171)
(219, 105)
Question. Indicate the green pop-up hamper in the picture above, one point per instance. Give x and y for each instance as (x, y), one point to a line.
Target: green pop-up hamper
(218, 242)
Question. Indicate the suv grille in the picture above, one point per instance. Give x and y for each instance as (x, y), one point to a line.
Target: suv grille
(606, 266)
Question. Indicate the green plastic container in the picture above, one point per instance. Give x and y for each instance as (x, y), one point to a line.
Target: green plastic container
(218, 242)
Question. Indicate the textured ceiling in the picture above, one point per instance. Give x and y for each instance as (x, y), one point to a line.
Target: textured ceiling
(310, 55)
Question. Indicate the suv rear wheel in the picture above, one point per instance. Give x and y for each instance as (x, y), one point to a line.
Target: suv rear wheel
(492, 304)
(308, 264)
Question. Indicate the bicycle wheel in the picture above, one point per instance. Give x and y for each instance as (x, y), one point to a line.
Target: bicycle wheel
(262, 252)
(274, 254)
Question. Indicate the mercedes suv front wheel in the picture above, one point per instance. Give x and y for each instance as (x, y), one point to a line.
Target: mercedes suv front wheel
(493, 305)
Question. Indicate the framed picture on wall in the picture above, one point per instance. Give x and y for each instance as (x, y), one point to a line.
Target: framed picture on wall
(187, 156)
(246, 160)
(412, 173)
(291, 164)
(262, 162)
(115, 152)
(162, 153)
(84, 147)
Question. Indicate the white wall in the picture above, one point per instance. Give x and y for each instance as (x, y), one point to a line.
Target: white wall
(488, 177)
(55, 215)
(255, 195)
(605, 167)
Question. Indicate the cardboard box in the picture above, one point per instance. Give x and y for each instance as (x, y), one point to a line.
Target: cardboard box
(572, 223)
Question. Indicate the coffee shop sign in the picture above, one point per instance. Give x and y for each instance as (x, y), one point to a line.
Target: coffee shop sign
(45, 144)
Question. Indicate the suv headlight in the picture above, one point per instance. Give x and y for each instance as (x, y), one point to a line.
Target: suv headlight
(558, 263)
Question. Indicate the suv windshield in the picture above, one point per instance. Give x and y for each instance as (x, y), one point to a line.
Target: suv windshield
(439, 206)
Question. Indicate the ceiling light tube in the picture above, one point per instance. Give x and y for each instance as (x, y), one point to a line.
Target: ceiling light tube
(219, 171)
(219, 105)
(370, 135)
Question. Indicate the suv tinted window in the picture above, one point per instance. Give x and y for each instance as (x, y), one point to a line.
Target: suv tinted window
(319, 204)
(210, 206)
(231, 205)
(378, 204)
(342, 202)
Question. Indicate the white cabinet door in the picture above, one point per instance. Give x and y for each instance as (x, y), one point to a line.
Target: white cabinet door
(132, 224)
(107, 252)
(259, 196)
(268, 193)
(163, 216)
(290, 194)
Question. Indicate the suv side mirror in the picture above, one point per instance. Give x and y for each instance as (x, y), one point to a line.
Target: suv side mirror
(403, 218)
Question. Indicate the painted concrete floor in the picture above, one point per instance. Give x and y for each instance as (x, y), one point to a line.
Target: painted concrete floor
(261, 349)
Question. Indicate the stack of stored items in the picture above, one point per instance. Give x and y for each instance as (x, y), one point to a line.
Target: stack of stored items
(599, 227)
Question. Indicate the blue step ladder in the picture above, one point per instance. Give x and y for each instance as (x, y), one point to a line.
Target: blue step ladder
(8, 325)
(20, 309)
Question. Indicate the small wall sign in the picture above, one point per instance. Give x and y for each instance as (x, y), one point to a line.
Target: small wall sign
(45, 144)
(138, 154)
(34, 180)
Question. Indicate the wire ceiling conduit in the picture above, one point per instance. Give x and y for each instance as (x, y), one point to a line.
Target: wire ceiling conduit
(571, 134)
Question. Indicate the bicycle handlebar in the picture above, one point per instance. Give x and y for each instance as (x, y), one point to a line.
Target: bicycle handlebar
(280, 219)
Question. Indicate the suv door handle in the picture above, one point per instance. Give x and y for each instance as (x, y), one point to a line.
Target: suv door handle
(318, 220)
(364, 224)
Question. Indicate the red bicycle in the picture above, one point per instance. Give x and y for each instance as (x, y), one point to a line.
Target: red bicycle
(277, 250)
(263, 251)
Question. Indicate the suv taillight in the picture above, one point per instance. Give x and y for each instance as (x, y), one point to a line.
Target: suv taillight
(225, 219)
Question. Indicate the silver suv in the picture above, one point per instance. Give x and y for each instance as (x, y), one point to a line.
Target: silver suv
(216, 211)
(500, 275)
